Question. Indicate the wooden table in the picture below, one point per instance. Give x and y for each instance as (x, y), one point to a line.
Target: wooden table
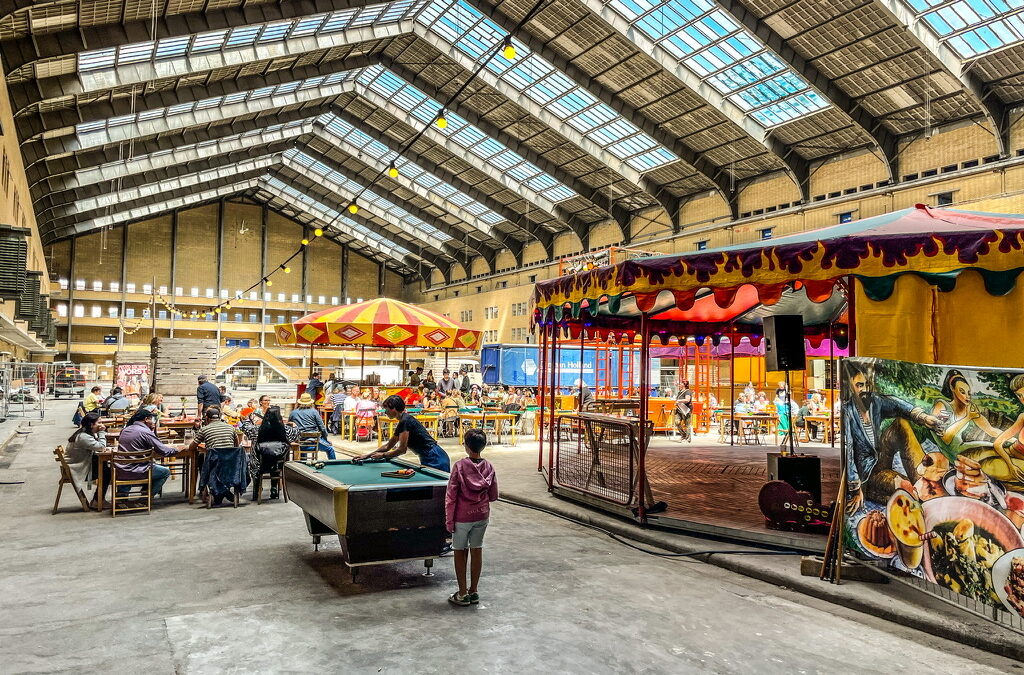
(826, 425)
(483, 418)
(768, 420)
(386, 425)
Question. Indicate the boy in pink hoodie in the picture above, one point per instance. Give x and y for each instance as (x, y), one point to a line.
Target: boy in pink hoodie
(467, 504)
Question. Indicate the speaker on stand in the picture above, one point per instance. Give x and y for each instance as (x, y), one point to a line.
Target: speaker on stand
(784, 350)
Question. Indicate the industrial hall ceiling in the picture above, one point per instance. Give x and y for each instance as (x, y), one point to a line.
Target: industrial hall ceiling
(425, 133)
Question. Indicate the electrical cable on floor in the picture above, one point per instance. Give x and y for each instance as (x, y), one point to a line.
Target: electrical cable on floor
(624, 542)
(12, 482)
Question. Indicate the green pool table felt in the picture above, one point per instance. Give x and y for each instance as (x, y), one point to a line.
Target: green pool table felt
(344, 471)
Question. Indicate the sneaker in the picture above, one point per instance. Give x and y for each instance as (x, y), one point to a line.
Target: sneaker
(459, 600)
(474, 598)
(446, 549)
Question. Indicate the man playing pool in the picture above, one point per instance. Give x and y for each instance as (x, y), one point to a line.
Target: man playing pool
(409, 435)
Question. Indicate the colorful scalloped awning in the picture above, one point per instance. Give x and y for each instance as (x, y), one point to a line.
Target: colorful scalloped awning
(936, 244)
(383, 323)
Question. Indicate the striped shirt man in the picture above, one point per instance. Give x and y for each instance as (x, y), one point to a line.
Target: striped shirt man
(217, 434)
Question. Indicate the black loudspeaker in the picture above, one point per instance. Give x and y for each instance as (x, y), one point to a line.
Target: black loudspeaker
(784, 342)
(803, 472)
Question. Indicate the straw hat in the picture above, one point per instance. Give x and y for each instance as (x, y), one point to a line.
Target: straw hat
(305, 399)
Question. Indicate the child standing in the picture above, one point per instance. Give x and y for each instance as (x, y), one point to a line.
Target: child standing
(471, 489)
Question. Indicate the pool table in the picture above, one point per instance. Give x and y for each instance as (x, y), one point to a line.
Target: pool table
(377, 519)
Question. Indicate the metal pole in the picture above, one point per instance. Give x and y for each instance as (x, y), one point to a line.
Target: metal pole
(732, 385)
(362, 364)
(645, 375)
(553, 362)
(831, 381)
(579, 401)
(542, 390)
(851, 301)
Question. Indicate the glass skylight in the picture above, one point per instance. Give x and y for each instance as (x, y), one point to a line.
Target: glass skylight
(332, 218)
(470, 32)
(973, 28)
(248, 36)
(425, 109)
(367, 198)
(368, 146)
(86, 128)
(711, 43)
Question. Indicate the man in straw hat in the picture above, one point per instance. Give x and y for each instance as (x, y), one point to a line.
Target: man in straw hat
(308, 419)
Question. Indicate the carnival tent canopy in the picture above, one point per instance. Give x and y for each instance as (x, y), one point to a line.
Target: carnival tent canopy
(382, 322)
(936, 244)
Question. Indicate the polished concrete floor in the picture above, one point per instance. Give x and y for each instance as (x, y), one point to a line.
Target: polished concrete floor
(186, 590)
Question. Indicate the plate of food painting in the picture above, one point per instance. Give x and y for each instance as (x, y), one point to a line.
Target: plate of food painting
(1008, 580)
(874, 535)
(965, 537)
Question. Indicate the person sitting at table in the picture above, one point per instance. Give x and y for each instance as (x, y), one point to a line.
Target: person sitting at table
(338, 398)
(315, 386)
(742, 405)
(410, 435)
(428, 382)
(213, 435)
(262, 406)
(270, 442)
(228, 411)
(89, 439)
(116, 403)
(308, 419)
(93, 400)
(415, 397)
(155, 402)
(432, 402)
(353, 399)
(139, 435)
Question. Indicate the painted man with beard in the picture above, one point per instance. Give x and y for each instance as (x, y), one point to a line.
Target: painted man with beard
(870, 449)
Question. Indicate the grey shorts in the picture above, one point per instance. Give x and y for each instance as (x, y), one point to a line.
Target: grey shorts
(469, 535)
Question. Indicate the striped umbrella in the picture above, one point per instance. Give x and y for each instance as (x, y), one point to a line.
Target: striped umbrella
(377, 323)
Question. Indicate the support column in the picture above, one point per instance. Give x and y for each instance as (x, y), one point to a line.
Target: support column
(174, 265)
(124, 273)
(344, 274)
(380, 280)
(262, 303)
(71, 295)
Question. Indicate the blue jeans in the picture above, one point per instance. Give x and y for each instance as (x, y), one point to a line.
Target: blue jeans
(160, 475)
(323, 445)
(436, 458)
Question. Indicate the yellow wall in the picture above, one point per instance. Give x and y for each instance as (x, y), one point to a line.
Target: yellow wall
(16, 211)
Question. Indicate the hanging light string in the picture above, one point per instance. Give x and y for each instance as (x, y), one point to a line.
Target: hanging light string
(504, 47)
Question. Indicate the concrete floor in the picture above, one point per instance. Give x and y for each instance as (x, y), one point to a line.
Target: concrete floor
(190, 590)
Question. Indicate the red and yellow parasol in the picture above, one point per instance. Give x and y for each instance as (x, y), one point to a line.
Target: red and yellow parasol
(382, 322)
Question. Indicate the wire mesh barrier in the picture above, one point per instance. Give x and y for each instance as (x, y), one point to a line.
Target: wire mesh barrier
(597, 455)
(25, 387)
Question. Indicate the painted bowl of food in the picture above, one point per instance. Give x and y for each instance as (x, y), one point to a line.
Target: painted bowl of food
(965, 538)
(905, 517)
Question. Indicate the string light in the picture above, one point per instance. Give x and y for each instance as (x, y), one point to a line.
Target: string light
(319, 233)
(353, 208)
(305, 242)
(441, 122)
(509, 51)
(287, 270)
(392, 170)
(269, 282)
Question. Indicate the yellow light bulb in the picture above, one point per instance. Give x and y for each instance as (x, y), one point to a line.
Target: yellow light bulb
(269, 282)
(442, 123)
(318, 232)
(305, 242)
(287, 270)
(227, 306)
(393, 171)
(509, 52)
(353, 208)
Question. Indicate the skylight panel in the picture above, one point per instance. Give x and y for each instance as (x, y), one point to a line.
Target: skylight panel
(174, 47)
(972, 28)
(368, 15)
(710, 43)
(246, 35)
(308, 25)
(101, 58)
(339, 20)
(207, 42)
(274, 32)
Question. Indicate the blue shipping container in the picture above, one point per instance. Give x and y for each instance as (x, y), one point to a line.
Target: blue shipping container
(519, 366)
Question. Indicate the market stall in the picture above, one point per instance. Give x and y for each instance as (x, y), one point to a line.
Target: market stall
(889, 285)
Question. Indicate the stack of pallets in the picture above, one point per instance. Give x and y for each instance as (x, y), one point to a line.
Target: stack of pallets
(177, 362)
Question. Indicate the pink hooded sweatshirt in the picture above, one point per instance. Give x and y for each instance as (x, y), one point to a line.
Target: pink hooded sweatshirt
(471, 489)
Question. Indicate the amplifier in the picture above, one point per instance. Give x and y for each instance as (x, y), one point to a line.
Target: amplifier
(803, 472)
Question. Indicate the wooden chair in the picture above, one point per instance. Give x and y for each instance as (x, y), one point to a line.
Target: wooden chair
(128, 458)
(280, 475)
(309, 446)
(65, 478)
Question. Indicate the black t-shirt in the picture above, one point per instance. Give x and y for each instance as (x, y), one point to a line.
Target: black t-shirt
(420, 439)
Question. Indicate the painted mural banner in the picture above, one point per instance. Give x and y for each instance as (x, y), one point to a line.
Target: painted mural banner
(133, 378)
(935, 474)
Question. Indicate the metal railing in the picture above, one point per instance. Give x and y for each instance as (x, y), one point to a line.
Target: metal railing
(598, 455)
